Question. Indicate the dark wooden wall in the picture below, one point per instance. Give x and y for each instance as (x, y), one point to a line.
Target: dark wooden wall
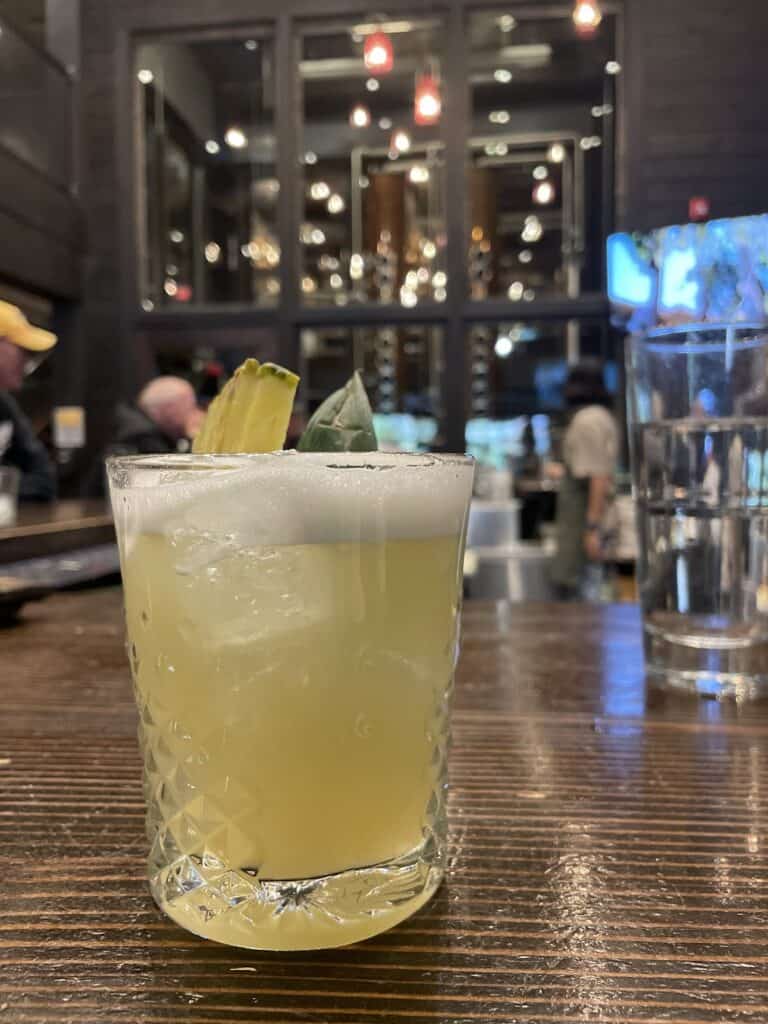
(28, 15)
(694, 122)
(41, 223)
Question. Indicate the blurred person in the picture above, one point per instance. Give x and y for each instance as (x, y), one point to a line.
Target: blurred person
(297, 424)
(164, 419)
(585, 500)
(22, 348)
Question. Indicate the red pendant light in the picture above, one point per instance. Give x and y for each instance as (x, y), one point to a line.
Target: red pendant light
(586, 17)
(377, 53)
(427, 105)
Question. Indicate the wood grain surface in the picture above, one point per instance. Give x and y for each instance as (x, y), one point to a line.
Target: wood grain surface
(608, 850)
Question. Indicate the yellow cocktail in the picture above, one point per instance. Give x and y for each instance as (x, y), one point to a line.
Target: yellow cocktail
(293, 627)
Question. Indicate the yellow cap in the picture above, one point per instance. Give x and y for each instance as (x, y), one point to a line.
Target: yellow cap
(15, 327)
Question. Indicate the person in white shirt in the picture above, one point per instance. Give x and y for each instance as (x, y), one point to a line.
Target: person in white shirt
(585, 499)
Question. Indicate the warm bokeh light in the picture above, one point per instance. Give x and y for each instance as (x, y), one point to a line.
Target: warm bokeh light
(586, 16)
(556, 153)
(335, 203)
(319, 191)
(360, 116)
(401, 141)
(377, 53)
(427, 104)
(544, 193)
(212, 252)
(235, 138)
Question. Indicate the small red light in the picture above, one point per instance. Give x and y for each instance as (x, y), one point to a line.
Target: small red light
(698, 208)
(183, 293)
(377, 53)
(427, 105)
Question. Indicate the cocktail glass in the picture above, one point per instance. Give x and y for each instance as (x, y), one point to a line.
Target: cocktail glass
(293, 630)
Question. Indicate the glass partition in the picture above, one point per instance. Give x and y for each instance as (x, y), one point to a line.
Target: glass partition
(207, 171)
(363, 130)
(536, 164)
(373, 225)
(370, 137)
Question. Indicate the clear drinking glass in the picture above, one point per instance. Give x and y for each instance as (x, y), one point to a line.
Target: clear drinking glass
(293, 628)
(9, 495)
(698, 413)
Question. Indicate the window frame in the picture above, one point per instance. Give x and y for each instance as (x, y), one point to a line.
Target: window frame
(289, 316)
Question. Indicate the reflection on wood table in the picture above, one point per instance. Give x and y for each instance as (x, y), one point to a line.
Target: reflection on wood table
(608, 850)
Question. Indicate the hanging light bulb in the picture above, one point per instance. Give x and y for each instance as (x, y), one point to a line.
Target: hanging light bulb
(377, 53)
(544, 192)
(359, 116)
(235, 138)
(427, 104)
(586, 16)
(556, 153)
(400, 141)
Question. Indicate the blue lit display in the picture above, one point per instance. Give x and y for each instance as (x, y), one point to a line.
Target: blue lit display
(400, 431)
(680, 286)
(691, 273)
(631, 279)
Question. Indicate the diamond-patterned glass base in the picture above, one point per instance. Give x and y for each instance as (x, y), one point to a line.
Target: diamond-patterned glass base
(198, 866)
(237, 909)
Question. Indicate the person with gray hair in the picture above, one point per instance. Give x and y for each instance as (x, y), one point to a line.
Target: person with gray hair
(166, 415)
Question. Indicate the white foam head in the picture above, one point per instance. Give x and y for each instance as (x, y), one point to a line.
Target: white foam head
(292, 497)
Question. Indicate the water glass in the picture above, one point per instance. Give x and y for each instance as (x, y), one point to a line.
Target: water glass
(9, 495)
(698, 417)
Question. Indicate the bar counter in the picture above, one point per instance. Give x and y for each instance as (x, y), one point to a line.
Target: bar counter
(50, 529)
(608, 847)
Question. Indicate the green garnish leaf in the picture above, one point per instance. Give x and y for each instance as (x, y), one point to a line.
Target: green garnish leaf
(343, 423)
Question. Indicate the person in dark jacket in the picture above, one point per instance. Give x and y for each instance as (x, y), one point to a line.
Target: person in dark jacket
(164, 417)
(20, 345)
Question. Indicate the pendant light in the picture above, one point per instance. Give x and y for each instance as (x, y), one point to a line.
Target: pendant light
(586, 17)
(377, 53)
(427, 104)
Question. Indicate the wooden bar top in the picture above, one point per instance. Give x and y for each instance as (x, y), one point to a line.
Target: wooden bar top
(39, 517)
(608, 847)
(47, 529)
